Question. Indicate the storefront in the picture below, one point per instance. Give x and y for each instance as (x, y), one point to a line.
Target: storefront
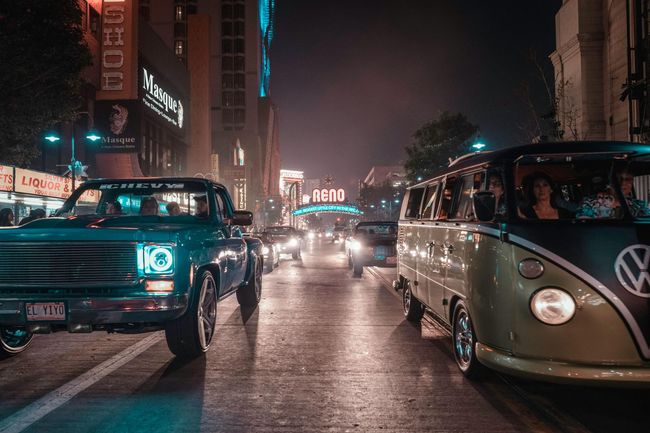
(24, 190)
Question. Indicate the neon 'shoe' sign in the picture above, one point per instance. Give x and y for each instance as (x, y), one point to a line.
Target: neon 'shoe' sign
(325, 195)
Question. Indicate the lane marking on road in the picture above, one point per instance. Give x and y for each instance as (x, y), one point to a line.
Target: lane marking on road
(33, 412)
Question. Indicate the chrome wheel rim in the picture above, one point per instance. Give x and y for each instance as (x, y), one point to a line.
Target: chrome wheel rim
(14, 340)
(207, 314)
(463, 340)
(406, 298)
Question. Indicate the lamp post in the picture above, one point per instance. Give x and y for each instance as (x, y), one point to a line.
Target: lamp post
(74, 164)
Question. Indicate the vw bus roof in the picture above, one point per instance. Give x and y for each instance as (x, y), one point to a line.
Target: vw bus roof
(512, 153)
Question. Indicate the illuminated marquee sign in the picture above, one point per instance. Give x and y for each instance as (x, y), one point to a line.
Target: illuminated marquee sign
(44, 184)
(327, 208)
(6, 178)
(119, 47)
(328, 195)
(158, 99)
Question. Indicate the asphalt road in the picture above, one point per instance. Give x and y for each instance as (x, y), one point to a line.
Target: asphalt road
(323, 352)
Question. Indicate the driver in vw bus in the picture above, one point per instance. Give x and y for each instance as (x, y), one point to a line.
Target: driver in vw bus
(605, 203)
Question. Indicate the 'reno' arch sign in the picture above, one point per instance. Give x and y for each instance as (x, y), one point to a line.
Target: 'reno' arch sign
(328, 195)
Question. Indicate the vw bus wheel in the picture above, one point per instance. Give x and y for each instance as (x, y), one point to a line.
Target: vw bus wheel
(464, 341)
(413, 309)
(190, 335)
(13, 341)
(250, 294)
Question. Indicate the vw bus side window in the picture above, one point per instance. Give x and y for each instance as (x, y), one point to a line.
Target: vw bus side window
(429, 202)
(468, 185)
(445, 210)
(581, 186)
(413, 204)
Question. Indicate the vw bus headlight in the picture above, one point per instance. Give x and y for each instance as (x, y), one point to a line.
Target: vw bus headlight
(552, 306)
(531, 268)
(156, 259)
(265, 250)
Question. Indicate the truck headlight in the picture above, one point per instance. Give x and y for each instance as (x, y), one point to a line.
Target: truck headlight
(552, 306)
(156, 259)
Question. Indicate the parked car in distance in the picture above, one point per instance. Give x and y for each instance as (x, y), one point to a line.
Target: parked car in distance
(286, 239)
(373, 243)
(120, 257)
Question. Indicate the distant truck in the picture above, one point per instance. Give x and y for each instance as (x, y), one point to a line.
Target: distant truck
(130, 256)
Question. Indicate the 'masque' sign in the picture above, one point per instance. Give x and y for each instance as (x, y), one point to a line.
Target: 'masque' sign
(157, 98)
(328, 195)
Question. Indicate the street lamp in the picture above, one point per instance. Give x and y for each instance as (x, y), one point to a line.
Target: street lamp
(74, 164)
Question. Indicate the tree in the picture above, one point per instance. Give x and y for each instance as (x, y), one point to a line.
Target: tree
(42, 54)
(434, 143)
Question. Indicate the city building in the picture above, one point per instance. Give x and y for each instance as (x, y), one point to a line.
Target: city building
(380, 174)
(601, 69)
(244, 148)
(291, 191)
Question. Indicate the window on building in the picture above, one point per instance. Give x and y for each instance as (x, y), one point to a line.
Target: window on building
(179, 14)
(239, 11)
(180, 30)
(226, 63)
(228, 99)
(227, 116)
(226, 46)
(239, 28)
(179, 47)
(239, 46)
(239, 63)
(226, 12)
(94, 22)
(238, 156)
(240, 81)
(240, 98)
(227, 81)
(240, 116)
(226, 28)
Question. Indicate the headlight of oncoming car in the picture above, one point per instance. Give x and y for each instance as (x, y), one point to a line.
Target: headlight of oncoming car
(355, 245)
(265, 250)
(293, 242)
(552, 306)
(156, 259)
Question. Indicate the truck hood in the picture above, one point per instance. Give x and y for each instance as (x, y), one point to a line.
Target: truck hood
(99, 228)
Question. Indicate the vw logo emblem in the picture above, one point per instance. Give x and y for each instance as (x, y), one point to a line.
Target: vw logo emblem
(631, 269)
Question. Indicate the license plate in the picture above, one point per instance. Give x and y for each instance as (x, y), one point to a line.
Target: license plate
(39, 311)
(391, 260)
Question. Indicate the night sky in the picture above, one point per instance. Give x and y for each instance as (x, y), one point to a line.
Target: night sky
(354, 79)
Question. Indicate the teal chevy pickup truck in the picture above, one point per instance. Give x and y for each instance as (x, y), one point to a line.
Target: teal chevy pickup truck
(130, 256)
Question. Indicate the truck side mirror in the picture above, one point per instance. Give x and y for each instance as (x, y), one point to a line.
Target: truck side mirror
(242, 218)
(484, 203)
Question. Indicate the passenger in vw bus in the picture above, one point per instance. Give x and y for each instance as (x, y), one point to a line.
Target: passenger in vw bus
(445, 203)
(604, 203)
(495, 186)
(541, 199)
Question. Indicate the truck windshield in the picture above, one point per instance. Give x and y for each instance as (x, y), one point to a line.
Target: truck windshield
(139, 199)
(582, 186)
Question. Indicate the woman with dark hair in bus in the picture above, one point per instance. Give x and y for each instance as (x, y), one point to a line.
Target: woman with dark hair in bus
(6, 217)
(540, 193)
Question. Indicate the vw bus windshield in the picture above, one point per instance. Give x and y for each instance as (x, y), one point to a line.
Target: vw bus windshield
(178, 201)
(606, 186)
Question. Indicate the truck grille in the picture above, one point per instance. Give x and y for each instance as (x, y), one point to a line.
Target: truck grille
(65, 264)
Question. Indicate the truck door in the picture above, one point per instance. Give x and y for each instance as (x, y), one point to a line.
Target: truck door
(236, 251)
